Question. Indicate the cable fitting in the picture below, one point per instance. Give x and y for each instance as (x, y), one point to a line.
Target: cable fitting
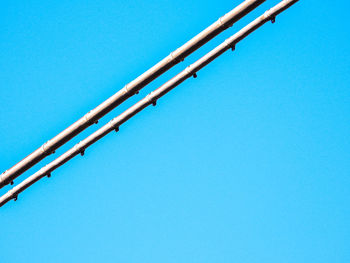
(222, 23)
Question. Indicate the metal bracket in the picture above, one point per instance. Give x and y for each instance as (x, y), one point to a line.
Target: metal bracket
(154, 103)
(195, 75)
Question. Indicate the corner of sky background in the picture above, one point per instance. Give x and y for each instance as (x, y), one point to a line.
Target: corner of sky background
(247, 163)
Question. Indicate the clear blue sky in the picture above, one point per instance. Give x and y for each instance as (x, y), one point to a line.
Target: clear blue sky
(250, 162)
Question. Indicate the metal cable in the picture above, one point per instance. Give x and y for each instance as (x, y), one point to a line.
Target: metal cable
(150, 99)
(129, 90)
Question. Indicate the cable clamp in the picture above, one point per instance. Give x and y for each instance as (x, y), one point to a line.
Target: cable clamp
(126, 89)
(45, 148)
(172, 56)
(151, 100)
(13, 194)
(176, 58)
(222, 23)
(77, 148)
(189, 71)
(88, 118)
(230, 44)
(3, 175)
(273, 19)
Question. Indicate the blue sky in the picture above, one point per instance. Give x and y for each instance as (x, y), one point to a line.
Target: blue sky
(247, 163)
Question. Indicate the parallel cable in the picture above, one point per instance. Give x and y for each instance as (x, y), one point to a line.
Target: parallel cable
(129, 90)
(150, 99)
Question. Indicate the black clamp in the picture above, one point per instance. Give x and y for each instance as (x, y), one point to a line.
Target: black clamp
(11, 183)
(195, 75)
(273, 19)
(154, 103)
(48, 175)
(116, 129)
(82, 152)
(15, 198)
(178, 60)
